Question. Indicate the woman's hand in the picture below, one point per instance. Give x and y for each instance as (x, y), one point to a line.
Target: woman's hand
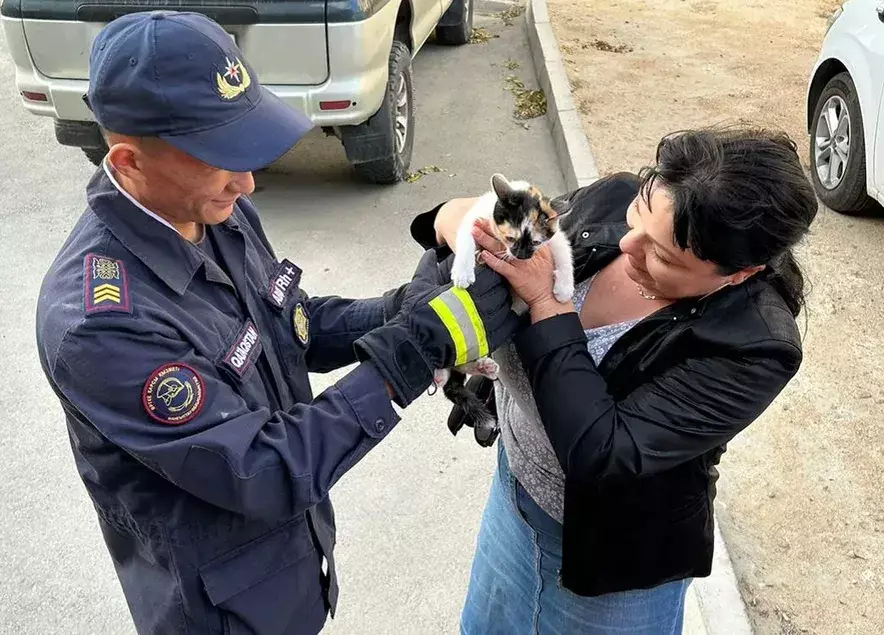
(448, 219)
(532, 280)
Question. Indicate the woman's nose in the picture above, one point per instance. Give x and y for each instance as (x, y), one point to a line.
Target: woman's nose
(631, 242)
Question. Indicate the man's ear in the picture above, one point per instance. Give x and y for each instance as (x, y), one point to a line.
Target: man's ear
(126, 159)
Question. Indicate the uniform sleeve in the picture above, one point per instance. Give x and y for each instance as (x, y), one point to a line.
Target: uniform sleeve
(691, 408)
(336, 323)
(165, 404)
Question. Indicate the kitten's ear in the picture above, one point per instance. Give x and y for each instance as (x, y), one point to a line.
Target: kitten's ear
(501, 187)
(560, 207)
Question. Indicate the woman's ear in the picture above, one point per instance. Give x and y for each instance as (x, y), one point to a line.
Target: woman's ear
(741, 276)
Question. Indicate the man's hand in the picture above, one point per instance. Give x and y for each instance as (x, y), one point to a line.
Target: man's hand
(438, 327)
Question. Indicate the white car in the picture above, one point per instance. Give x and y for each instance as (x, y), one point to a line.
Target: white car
(844, 110)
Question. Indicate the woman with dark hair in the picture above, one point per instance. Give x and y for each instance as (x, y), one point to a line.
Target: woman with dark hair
(615, 408)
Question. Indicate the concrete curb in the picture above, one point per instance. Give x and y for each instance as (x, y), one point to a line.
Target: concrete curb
(575, 157)
(718, 595)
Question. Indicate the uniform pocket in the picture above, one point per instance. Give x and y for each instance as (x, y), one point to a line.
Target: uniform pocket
(264, 585)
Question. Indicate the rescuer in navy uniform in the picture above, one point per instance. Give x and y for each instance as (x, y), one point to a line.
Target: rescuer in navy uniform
(179, 345)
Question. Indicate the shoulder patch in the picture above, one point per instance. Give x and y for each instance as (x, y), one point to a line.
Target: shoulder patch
(106, 287)
(301, 324)
(173, 394)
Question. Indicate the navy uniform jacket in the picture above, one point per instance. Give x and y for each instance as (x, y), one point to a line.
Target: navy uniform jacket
(192, 421)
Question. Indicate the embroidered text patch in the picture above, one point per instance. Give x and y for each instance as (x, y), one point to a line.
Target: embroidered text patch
(283, 282)
(245, 350)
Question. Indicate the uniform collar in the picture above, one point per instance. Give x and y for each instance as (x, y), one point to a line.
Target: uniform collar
(151, 239)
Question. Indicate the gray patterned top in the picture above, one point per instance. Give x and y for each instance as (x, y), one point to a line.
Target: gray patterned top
(529, 452)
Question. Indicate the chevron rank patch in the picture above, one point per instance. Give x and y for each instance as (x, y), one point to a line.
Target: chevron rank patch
(106, 287)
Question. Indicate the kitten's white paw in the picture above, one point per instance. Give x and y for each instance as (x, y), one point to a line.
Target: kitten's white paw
(484, 366)
(563, 289)
(440, 377)
(463, 277)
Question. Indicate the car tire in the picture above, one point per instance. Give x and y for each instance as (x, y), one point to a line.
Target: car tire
(456, 26)
(838, 150)
(95, 155)
(389, 133)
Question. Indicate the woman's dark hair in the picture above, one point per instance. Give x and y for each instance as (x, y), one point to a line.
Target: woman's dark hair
(740, 199)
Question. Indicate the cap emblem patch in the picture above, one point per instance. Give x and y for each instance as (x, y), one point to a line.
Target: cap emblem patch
(234, 81)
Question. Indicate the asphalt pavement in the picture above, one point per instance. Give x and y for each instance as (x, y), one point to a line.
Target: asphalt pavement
(409, 512)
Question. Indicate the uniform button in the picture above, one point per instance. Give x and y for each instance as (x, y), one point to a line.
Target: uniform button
(380, 425)
(584, 235)
(593, 250)
(693, 311)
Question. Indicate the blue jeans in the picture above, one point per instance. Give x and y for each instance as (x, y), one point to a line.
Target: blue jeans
(514, 583)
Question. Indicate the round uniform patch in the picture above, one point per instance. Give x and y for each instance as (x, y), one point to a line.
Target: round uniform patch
(173, 394)
(301, 324)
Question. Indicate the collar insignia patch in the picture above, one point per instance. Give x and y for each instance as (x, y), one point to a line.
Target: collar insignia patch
(245, 350)
(173, 394)
(301, 324)
(106, 287)
(234, 81)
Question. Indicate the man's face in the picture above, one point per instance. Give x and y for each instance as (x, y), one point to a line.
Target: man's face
(177, 186)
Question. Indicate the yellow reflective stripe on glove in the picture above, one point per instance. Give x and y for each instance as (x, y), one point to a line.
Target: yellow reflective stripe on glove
(458, 313)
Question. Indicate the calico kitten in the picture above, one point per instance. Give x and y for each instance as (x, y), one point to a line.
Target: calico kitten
(523, 220)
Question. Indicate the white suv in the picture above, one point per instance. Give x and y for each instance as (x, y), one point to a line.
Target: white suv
(844, 110)
(345, 63)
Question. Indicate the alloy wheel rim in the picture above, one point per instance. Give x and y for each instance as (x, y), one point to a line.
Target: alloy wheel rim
(401, 114)
(832, 142)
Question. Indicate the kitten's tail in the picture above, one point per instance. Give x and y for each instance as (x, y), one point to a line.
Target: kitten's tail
(475, 414)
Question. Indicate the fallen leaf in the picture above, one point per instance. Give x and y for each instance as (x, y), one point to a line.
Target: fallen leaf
(411, 177)
(481, 35)
(509, 15)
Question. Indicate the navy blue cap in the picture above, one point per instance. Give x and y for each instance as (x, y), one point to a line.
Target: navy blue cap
(180, 77)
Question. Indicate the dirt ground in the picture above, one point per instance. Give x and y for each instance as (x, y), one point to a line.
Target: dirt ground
(801, 493)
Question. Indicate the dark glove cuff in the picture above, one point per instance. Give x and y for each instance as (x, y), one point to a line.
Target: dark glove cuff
(398, 361)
